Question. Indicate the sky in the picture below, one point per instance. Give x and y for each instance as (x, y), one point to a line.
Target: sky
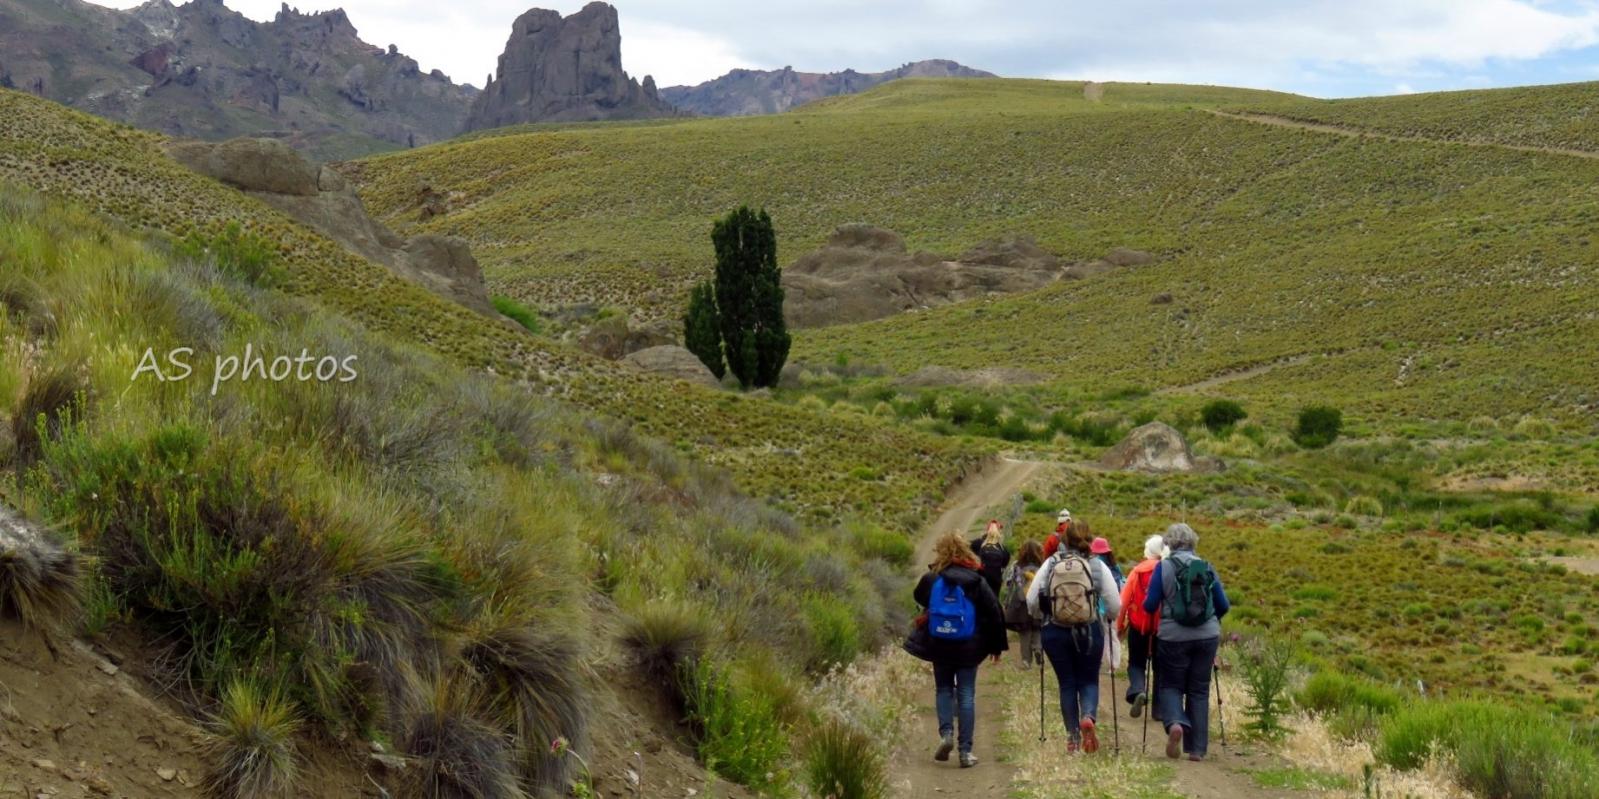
(1323, 48)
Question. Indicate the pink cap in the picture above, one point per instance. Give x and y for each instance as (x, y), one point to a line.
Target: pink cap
(1100, 547)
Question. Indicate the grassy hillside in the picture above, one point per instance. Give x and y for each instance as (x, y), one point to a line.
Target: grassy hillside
(1560, 116)
(425, 555)
(803, 461)
(1397, 279)
(620, 214)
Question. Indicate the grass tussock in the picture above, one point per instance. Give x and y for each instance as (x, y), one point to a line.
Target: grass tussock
(666, 640)
(1494, 750)
(44, 406)
(453, 753)
(530, 684)
(844, 762)
(251, 745)
(39, 580)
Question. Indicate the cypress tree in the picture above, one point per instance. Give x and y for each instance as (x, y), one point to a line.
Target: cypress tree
(702, 333)
(749, 297)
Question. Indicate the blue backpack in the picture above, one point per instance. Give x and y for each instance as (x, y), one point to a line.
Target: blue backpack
(950, 615)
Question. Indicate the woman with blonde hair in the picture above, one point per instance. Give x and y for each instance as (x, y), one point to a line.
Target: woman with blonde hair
(992, 554)
(962, 624)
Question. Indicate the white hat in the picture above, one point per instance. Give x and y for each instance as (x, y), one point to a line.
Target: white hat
(1064, 517)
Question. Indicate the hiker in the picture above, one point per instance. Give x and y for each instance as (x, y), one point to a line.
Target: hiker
(1139, 625)
(1017, 616)
(1188, 595)
(963, 626)
(993, 555)
(1101, 549)
(1052, 543)
(1069, 592)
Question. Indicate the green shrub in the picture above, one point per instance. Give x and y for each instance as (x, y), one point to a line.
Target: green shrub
(749, 297)
(1263, 663)
(835, 638)
(1496, 751)
(1591, 522)
(251, 744)
(1330, 692)
(843, 762)
(1319, 426)
(702, 329)
(873, 541)
(1360, 505)
(52, 397)
(737, 731)
(518, 313)
(1221, 414)
(234, 252)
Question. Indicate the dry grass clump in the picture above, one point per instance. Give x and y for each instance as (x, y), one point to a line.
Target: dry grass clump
(252, 745)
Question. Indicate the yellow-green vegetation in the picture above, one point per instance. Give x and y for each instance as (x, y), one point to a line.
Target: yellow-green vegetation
(419, 555)
(1390, 279)
(1558, 117)
(799, 460)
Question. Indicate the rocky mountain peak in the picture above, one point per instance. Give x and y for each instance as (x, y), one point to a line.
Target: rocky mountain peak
(559, 69)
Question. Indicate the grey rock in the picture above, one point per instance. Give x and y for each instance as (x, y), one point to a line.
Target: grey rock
(568, 69)
(671, 360)
(1155, 447)
(266, 165)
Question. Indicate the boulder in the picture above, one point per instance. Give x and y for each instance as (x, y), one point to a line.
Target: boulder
(557, 69)
(267, 165)
(1155, 447)
(322, 199)
(606, 338)
(671, 360)
(1121, 256)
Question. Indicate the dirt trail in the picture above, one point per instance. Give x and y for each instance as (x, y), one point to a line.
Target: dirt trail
(1235, 375)
(913, 772)
(1340, 130)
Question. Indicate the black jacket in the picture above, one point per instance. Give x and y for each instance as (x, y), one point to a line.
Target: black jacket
(994, 562)
(990, 638)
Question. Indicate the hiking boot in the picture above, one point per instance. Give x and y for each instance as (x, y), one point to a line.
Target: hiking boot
(968, 760)
(1090, 737)
(1196, 758)
(944, 748)
(1174, 741)
(1072, 747)
(1138, 703)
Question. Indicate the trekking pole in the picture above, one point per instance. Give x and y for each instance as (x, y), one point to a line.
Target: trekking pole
(1149, 704)
(1221, 715)
(1041, 736)
(1115, 710)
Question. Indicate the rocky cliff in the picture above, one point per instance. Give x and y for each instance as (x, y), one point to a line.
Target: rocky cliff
(557, 69)
(203, 70)
(744, 92)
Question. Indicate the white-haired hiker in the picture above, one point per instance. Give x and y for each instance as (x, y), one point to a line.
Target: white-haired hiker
(1187, 593)
(1139, 625)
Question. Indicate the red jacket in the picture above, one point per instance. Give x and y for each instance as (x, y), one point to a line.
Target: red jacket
(1052, 543)
(1133, 600)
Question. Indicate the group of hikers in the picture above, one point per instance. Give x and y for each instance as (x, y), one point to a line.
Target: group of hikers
(1069, 602)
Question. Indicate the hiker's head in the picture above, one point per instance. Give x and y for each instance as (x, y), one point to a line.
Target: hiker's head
(1032, 554)
(1181, 537)
(1100, 547)
(1079, 537)
(995, 533)
(1155, 547)
(1065, 517)
(951, 548)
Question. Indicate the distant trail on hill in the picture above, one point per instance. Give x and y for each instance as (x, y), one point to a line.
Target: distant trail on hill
(1342, 130)
(1234, 375)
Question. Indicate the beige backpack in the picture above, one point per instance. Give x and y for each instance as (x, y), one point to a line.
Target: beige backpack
(1072, 600)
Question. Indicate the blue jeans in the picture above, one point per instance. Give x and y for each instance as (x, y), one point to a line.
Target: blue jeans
(1075, 654)
(956, 687)
(1182, 679)
(1138, 646)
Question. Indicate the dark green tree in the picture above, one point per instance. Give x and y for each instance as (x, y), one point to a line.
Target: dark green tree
(749, 297)
(702, 329)
(1319, 426)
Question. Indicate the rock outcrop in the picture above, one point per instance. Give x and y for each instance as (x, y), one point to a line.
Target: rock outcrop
(671, 360)
(614, 337)
(865, 272)
(202, 70)
(322, 199)
(557, 69)
(744, 92)
(1155, 447)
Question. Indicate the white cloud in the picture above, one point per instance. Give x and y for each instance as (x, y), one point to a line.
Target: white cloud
(1404, 88)
(1327, 45)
